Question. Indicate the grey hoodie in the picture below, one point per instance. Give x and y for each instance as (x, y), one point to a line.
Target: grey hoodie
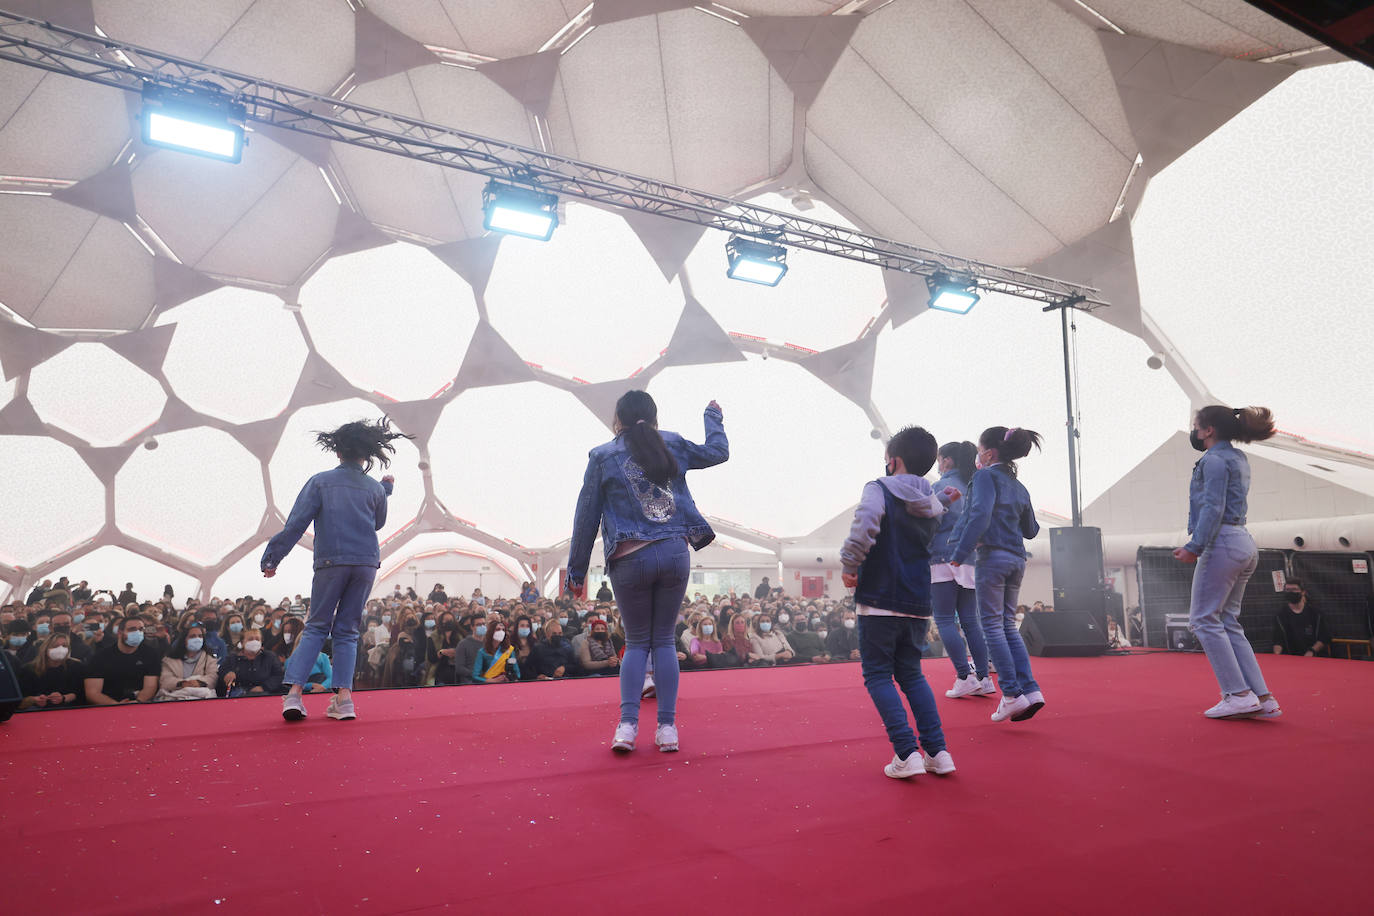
(916, 492)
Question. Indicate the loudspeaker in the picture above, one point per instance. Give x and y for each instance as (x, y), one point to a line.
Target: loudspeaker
(1063, 633)
(1086, 600)
(9, 687)
(1076, 558)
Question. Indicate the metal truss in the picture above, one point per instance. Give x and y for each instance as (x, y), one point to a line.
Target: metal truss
(124, 66)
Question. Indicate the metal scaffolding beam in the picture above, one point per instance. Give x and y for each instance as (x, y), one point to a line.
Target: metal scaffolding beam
(124, 66)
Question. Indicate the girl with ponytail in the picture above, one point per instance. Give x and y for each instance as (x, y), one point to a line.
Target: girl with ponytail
(998, 519)
(1225, 555)
(635, 491)
(951, 587)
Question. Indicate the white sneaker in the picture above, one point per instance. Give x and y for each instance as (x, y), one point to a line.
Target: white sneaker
(625, 735)
(963, 687)
(665, 736)
(648, 690)
(986, 688)
(341, 709)
(1236, 705)
(292, 708)
(1269, 709)
(941, 764)
(1035, 700)
(1009, 707)
(904, 769)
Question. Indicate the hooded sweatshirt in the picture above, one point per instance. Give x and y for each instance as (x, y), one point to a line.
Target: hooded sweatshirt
(918, 498)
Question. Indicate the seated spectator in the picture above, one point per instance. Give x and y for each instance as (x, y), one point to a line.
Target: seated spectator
(317, 681)
(767, 645)
(703, 643)
(252, 673)
(524, 643)
(54, 678)
(292, 628)
(18, 639)
(1299, 628)
(735, 646)
(62, 622)
(496, 660)
(596, 655)
(1116, 635)
(449, 637)
(465, 658)
(126, 672)
(399, 668)
(189, 671)
(843, 642)
(553, 657)
(231, 634)
(807, 643)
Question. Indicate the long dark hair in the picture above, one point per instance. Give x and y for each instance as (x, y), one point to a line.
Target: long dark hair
(1244, 424)
(638, 416)
(964, 455)
(362, 440)
(1010, 443)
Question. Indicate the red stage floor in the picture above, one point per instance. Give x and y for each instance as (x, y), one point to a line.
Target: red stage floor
(1119, 797)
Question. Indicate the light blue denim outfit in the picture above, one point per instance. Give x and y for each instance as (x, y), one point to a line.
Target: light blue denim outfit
(996, 521)
(348, 508)
(954, 605)
(1227, 557)
(650, 582)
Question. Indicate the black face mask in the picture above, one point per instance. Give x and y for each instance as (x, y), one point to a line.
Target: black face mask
(1294, 597)
(888, 468)
(1196, 441)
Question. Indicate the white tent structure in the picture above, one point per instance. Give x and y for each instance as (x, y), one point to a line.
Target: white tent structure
(173, 328)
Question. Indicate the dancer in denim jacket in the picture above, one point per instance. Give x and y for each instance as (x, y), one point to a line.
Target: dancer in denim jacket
(347, 508)
(997, 520)
(1225, 555)
(635, 489)
(951, 587)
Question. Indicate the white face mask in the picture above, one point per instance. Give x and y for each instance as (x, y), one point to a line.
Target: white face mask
(850, 624)
(253, 645)
(498, 636)
(822, 633)
(258, 619)
(288, 637)
(57, 653)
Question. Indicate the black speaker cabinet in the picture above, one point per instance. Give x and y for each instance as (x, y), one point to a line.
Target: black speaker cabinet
(1063, 633)
(1076, 558)
(9, 686)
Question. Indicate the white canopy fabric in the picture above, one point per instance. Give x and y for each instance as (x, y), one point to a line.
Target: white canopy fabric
(175, 329)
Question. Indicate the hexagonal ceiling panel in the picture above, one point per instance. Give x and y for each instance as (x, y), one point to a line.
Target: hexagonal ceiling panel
(393, 320)
(768, 403)
(198, 494)
(597, 331)
(298, 458)
(96, 394)
(235, 354)
(53, 126)
(482, 26)
(502, 484)
(52, 500)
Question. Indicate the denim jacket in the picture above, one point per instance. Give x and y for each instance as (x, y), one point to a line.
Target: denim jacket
(1217, 494)
(629, 506)
(942, 545)
(347, 507)
(999, 515)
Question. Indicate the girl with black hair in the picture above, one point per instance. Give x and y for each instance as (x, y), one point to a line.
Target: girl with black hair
(997, 520)
(635, 489)
(347, 508)
(951, 587)
(1225, 555)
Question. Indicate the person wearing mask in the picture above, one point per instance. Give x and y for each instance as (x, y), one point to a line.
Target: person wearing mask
(347, 509)
(256, 672)
(62, 622)
(448, 638)
(635, 490)
(1225, 555)
(1299, 628)
(734, 645)
(524, 643)
(399, 668)
(953, 599)
(842, 642)
(767, 644)
(704, 643)
(437, 595)
(596, 655)
(886, 560)
(496, 660)
(231, 634)
(189, 671)
(126, 672)
(807, 643)
(214, 644)
(53, 678)
(553, 656)
(465, 658)
(291, 630)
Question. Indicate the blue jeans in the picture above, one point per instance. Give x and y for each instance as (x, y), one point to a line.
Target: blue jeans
(997, 582)
(1214, 615)
(955, 605)
(649, 585)
(890, 649)
(336, 607)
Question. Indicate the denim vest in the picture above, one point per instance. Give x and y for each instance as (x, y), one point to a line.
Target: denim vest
(629, 506)
(347, 507)
(942, 545)
(1217, 494)
(895, 576)
(999, 515)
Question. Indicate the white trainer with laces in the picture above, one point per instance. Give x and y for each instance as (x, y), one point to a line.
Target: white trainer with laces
(341, 709)
(963, 687)
(1035, 701)
(1269, 709)
(1009, 707)
(665, 736)
(905, 769)
(625, 735)
(292, 708)
(986, 688)
(1236, 705)
(942, 764)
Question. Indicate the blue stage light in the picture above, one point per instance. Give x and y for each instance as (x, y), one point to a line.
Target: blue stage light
(519, 211)
(952, 294)
(755, 262)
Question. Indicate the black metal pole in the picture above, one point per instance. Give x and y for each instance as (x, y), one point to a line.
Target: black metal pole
(1072, 429)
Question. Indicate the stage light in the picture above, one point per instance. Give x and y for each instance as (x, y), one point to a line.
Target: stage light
(520, 211)
(952, 294)
(755, 262)
(202, 123)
